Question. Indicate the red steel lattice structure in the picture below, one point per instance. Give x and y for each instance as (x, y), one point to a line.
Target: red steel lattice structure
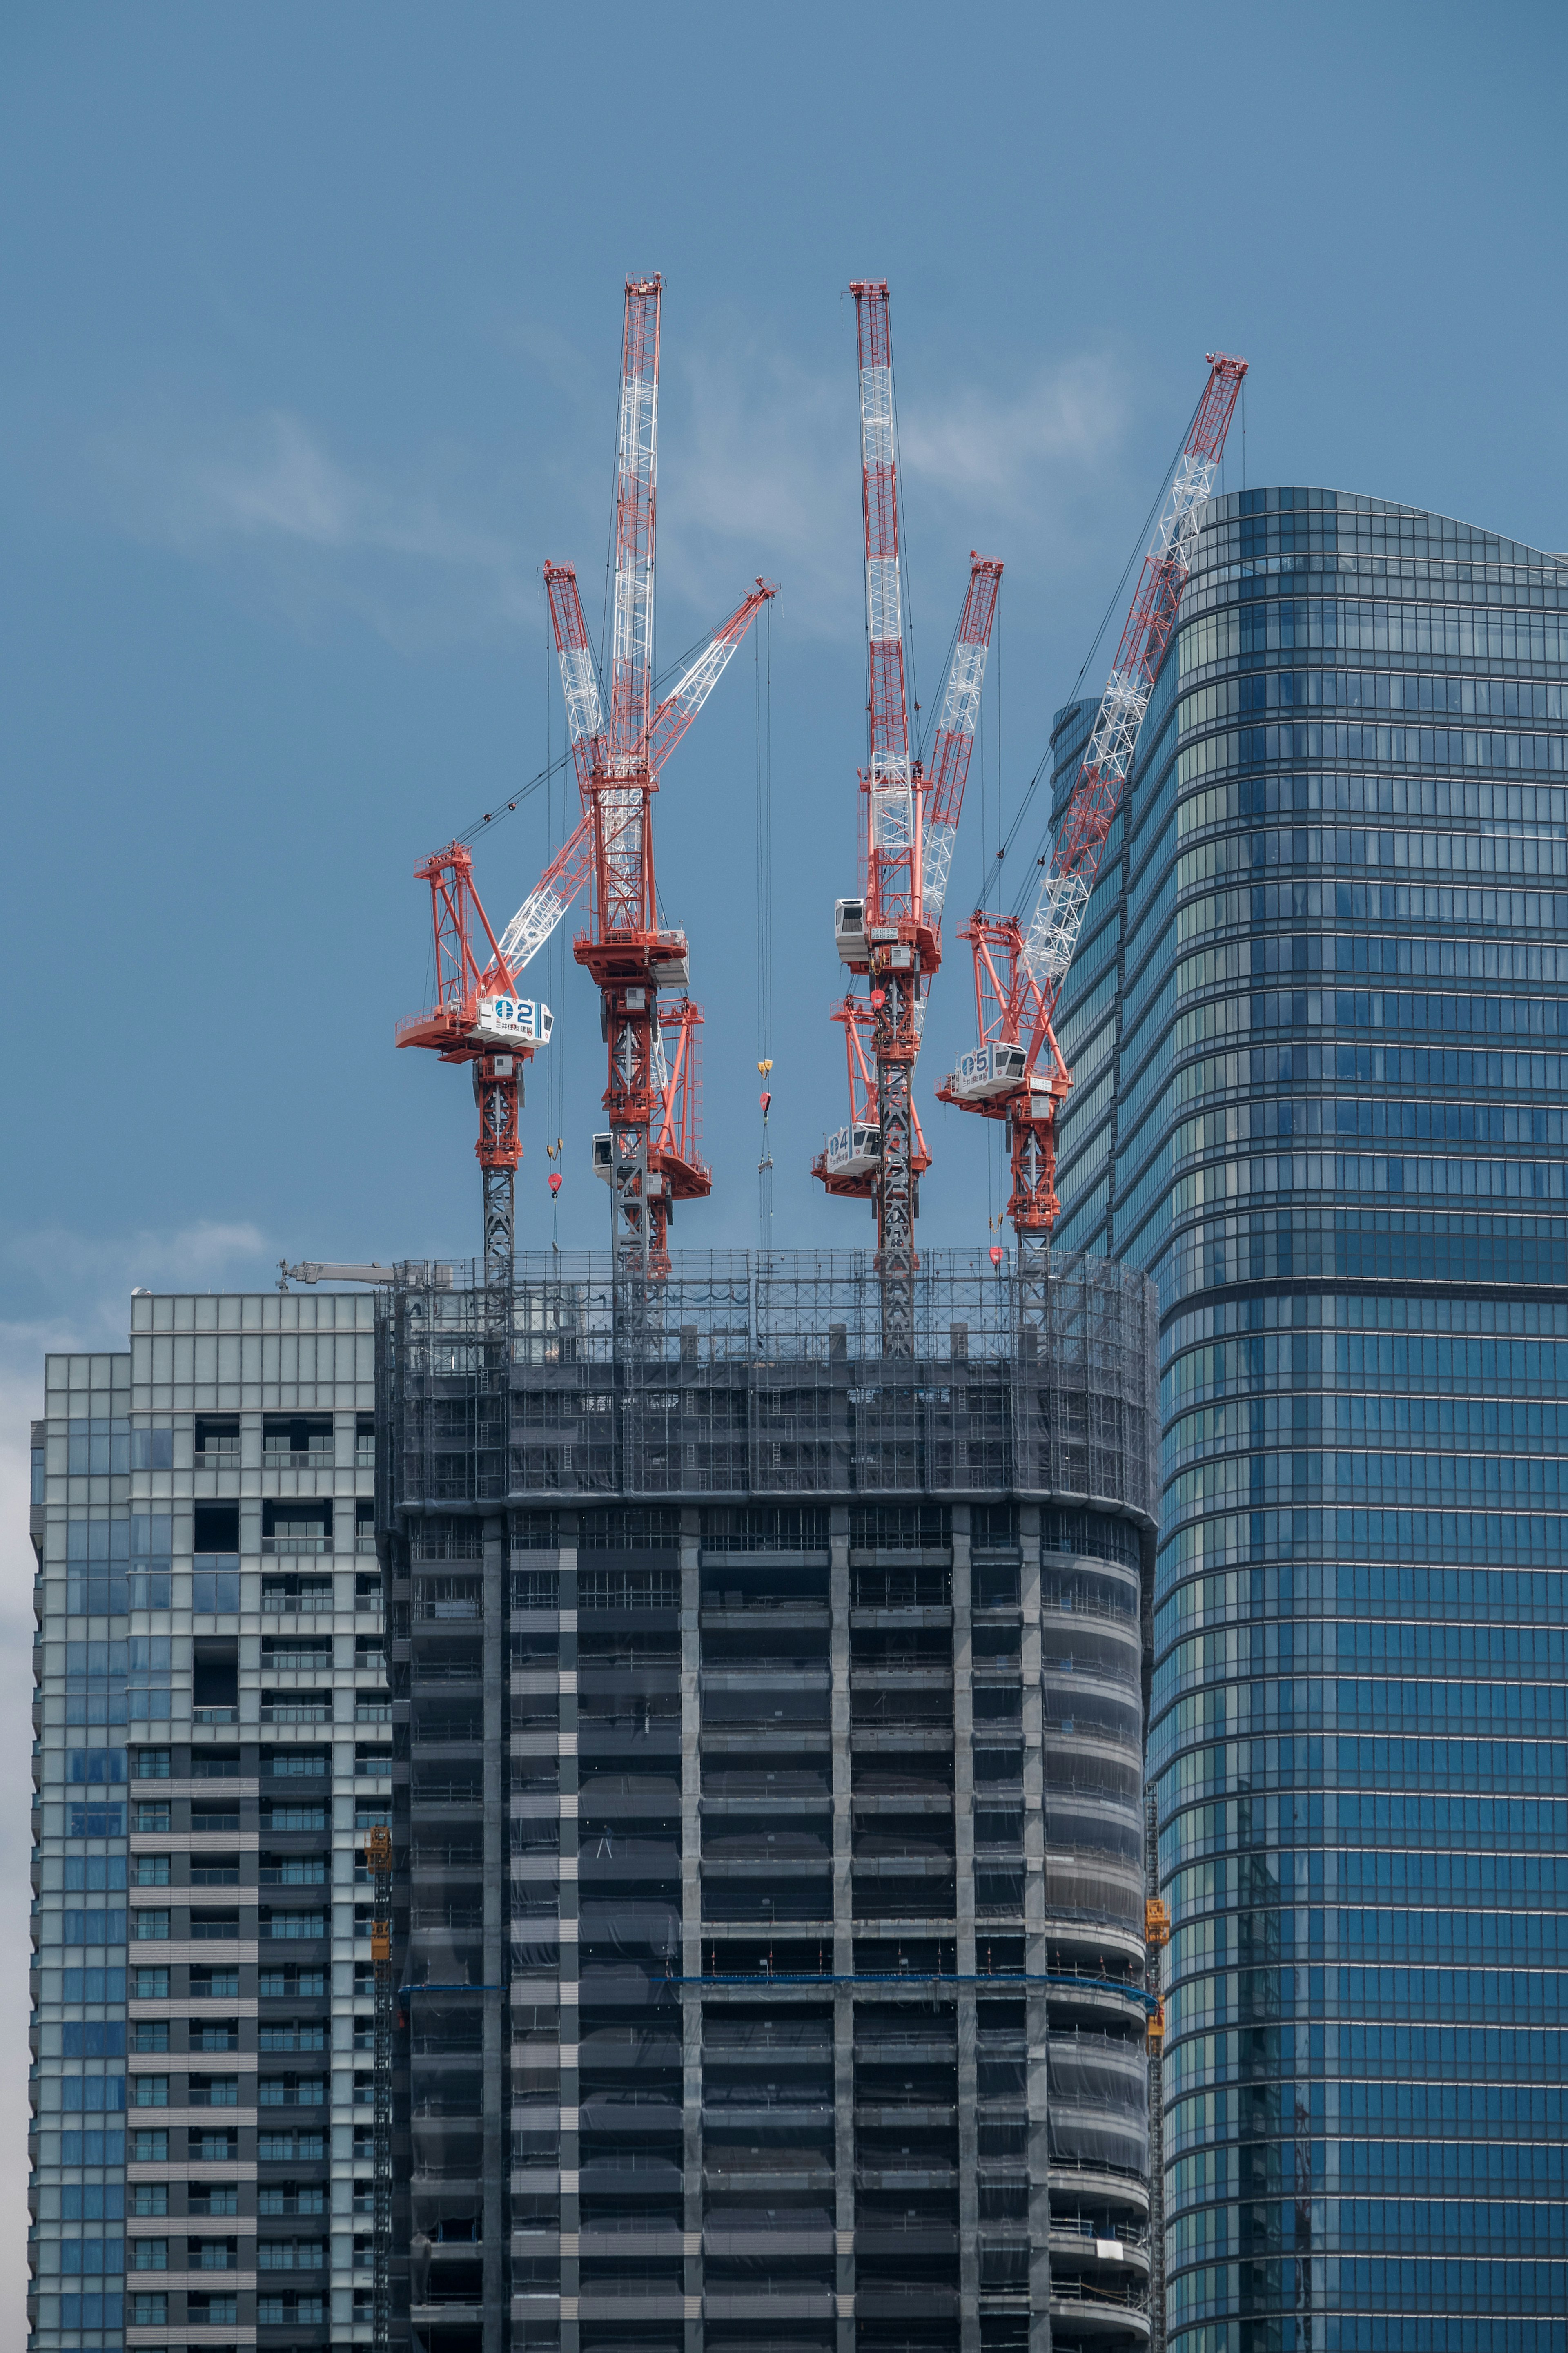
(1016, 1071)
(891, 933)
(651, 1155)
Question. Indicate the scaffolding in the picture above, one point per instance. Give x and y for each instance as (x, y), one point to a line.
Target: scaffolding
(753, 1374)
(768, 1910)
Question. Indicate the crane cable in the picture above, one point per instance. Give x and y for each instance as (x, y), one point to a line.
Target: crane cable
(1118, 596)
(552, 767)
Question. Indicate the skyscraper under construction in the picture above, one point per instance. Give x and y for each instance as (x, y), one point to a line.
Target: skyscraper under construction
(769, 1896)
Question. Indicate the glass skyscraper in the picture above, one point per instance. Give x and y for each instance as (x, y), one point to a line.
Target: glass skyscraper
(1316, 1025)
(212, 1744)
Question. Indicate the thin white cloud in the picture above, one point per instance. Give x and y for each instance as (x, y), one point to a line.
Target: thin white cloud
(759, 473)
(760, 460)
(97, 1273)
(266, 490)
(1067, 424)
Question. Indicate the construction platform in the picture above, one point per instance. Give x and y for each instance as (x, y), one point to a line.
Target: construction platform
(768, 1719)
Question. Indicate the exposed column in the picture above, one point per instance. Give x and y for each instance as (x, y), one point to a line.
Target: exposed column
(964, 1848)
(496, 1844)
(1036, 1962)
(569, 1961)
(843, 1927)
(691, 1920)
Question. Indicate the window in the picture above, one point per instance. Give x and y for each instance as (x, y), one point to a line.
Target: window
(214, 1765)
(93, 1985)
(215, 2091)
(150, 2197)
(216, 2034)
(149, 2310)
(215, 1871)
(92, 1873)
(99, 1447)
(214, 2199)
(282, 1985)
(211, 2254)
(293, 1818)
(215, 2311)
(297, 1441)
(291, 2198)
(93, 2202)
(215, 1985)
(215, 2148)
(297, 1654)
(149, 1871)
(301, 1765)
(293, 1870)
(149, 2092)
(301, 1595)
(297, 1527)
(92, 2039)
(150, 1928)
(211, 1818)
(151, 1764)
(98, 1821)
(288, 2147)
(149, 2254)
(152, 1985)
(150, 2147)
(150, 2034)
(216, 1927)
(152, 1815)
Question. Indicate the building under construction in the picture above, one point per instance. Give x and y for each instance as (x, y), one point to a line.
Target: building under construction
(769, 1898)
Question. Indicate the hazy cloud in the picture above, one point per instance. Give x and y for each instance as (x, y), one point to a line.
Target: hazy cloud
(401, 549)
(759, 464)
(77, 1285)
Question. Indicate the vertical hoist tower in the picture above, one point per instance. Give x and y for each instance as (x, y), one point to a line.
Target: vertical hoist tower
(909, 817)
(378, 1855)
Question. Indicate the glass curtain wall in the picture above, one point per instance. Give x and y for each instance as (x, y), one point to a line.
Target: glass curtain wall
(1320, 1062)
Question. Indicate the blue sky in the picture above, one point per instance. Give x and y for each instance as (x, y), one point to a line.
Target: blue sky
(311, 321)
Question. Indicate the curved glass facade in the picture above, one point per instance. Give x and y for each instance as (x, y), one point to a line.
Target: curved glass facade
(1318, 1025)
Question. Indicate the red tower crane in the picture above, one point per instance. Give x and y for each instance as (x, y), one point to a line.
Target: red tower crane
(477, 1016)
(909, 816)
(649, 1155)
(1017, 1072)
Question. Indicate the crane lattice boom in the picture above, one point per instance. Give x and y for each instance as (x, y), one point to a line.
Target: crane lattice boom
(891, 933)
(652, 1096)
(1058, 915)
(1016, 1071)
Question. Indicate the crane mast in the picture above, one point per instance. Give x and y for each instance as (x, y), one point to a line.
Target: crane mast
(909, 818)
(1017, 1072)
(650, 1155)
